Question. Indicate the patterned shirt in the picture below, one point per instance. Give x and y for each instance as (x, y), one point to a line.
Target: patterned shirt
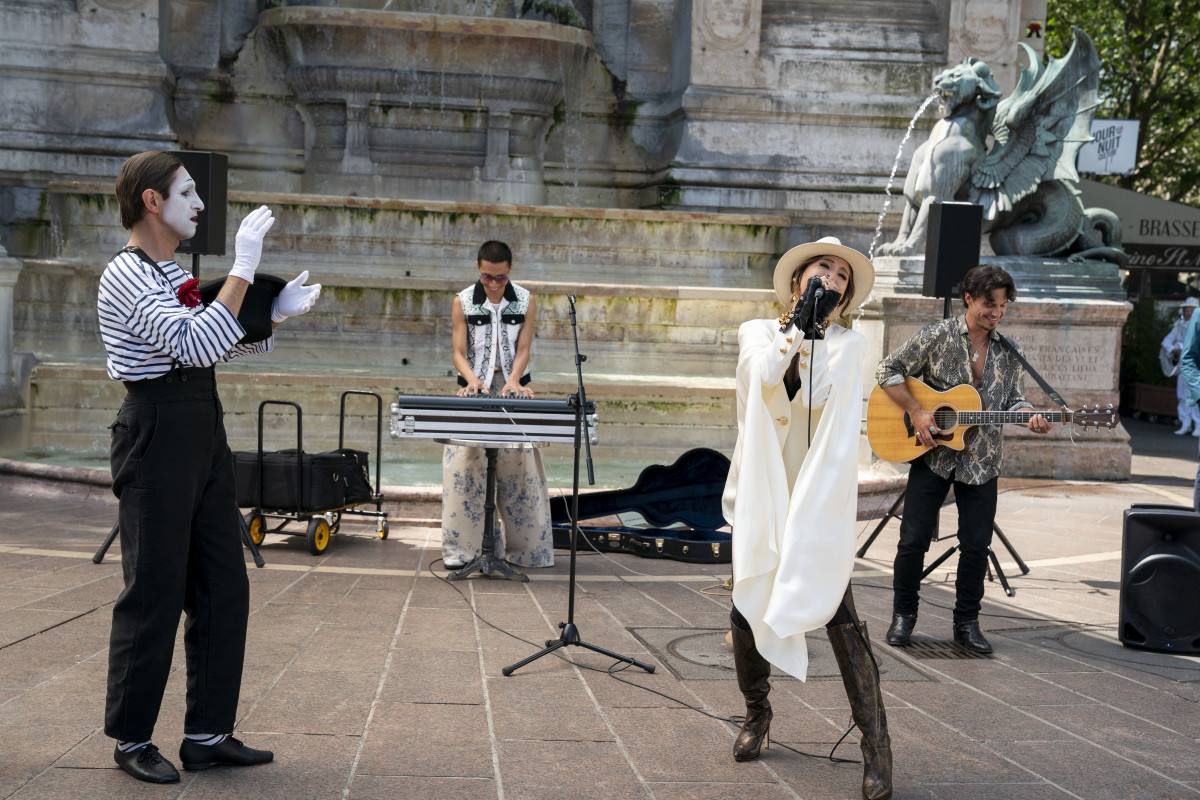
(146, 329)
(939, 355)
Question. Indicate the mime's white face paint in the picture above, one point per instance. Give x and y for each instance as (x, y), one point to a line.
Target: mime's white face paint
(182, 205)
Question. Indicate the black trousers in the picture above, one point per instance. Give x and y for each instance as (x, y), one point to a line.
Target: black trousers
(976, 515)
(181, 553)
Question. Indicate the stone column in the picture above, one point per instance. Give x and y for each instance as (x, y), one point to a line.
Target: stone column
(10, 268)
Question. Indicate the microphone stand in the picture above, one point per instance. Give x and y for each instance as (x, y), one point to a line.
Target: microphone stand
(569, 633)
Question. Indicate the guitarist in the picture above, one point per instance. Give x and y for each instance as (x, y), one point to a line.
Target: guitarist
(962, 349)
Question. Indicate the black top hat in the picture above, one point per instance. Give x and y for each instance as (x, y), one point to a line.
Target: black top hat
(255, 315)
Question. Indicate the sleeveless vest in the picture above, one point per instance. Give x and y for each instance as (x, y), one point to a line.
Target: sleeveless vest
(480, 330)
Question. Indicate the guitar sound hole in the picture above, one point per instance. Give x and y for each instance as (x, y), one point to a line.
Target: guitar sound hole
(945, 418)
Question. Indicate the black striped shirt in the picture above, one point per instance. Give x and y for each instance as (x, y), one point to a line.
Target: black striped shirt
(146, 328)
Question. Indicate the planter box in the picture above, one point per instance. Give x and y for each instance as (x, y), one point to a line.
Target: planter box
(1157, 400)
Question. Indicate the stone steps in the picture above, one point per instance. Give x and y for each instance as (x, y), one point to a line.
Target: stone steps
(71, 406)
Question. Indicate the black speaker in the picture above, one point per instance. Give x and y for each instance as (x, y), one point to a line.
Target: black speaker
(1160, 579)
(211, 173)
(951, 246)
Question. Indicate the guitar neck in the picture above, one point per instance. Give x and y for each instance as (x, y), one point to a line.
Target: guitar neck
(1014, 417)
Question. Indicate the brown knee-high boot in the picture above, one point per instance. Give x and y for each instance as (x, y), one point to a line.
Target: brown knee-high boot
(860, 674)
(752, 673)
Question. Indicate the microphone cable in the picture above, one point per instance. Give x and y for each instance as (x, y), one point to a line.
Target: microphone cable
(618, 666)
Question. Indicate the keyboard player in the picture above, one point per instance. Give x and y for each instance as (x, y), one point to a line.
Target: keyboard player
(493, 335)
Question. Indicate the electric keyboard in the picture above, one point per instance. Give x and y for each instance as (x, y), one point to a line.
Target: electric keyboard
(487, 418)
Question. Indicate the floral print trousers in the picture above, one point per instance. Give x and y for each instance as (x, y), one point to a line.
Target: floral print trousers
(522, 526)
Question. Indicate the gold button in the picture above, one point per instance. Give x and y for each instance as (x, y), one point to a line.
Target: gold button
(783, 420)
(803, 365)
(790, 339)
(783, 350)
(804, 351)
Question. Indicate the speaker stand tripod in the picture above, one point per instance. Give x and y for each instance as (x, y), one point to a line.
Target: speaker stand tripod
(569, 632)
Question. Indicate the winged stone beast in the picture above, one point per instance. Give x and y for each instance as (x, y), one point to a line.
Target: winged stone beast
(1026, 181)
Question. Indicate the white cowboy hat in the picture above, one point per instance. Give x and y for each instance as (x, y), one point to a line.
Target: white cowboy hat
(1191, 302)
(864, 270)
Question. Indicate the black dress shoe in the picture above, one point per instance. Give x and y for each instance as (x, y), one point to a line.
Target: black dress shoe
(901, 630)
(146, 764)
(230, 752)
(969, 636)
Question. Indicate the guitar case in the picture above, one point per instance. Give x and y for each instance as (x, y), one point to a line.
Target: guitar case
(680, 503)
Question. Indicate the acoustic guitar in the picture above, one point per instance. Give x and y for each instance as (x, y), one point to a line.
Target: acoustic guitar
(955, 411)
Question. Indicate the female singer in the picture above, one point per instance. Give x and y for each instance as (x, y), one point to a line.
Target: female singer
(792, 495)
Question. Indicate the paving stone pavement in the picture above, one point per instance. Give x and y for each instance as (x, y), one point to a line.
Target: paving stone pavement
(372, 678)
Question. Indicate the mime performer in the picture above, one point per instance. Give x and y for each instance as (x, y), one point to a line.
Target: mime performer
(181, 547)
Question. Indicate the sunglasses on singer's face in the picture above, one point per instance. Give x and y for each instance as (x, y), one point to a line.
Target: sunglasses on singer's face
(486, 278)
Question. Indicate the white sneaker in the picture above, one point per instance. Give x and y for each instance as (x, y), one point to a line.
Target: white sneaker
(1196, 432)
(1184, 429)
(453, 562)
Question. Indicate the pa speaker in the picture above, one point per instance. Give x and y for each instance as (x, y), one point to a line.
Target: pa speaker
(210, 171)
(951, 246)
(1160, 579)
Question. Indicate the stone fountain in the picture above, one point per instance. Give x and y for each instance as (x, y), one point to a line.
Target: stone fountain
(652, 157)
(419, 105)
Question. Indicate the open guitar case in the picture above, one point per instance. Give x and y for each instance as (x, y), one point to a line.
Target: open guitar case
(680, 504)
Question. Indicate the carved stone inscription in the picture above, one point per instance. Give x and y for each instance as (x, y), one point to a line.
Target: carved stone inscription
(1083, 361)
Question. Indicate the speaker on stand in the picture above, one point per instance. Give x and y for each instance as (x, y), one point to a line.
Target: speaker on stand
(1160, 579)
(210, 171)
(952, 244)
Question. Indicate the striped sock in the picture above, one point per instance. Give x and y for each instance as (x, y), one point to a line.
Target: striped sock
(208, 739)
(126, 747)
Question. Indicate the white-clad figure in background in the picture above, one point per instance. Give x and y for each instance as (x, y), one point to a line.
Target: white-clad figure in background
(1172, 346)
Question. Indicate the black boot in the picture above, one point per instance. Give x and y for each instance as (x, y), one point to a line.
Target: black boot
(860, 674)
(967, 634)
(753, 672)
(901, 630)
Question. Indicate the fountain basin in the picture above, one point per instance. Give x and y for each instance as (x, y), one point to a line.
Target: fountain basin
(425, 106)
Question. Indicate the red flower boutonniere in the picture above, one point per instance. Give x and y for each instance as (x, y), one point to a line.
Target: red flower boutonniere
(189, 293)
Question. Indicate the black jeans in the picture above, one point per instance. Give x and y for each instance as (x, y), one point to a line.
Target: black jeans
(181, 552)
(976, 515)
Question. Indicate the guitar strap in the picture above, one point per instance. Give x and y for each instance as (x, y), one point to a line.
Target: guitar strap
(1053, 395)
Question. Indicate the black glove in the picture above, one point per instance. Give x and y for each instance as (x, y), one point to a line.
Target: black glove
(802, 314)
(815, 311)
(825, 308)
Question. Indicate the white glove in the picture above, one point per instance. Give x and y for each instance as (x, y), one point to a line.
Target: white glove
(248, 244)
(294, 299)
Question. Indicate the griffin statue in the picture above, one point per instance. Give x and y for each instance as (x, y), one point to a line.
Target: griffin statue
(1026, 180)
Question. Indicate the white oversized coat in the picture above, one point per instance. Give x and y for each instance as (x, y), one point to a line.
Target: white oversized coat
(792, 505)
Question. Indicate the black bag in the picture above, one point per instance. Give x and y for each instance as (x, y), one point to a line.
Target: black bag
(323, 477)
(357, 476)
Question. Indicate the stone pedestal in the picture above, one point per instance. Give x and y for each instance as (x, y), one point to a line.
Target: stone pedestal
(1067, 319)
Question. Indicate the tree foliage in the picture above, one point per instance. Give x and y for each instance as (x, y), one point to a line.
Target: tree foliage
(1151, 55)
